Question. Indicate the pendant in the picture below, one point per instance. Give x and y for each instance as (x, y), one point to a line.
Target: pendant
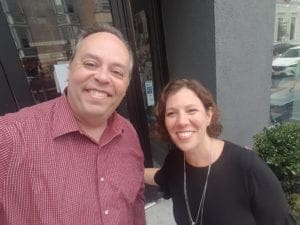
(193, 223)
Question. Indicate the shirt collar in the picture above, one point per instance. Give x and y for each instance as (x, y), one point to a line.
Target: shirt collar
(63, 119)
(114, 128)
(64, 122)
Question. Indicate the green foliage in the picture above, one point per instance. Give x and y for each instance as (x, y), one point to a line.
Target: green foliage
(279, 147)
(296, 206)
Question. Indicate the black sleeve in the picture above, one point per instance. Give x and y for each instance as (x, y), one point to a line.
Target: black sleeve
(268, 201)
(162, 176)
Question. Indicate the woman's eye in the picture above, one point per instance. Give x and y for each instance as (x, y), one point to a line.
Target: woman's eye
(192, 111)
(170, 114)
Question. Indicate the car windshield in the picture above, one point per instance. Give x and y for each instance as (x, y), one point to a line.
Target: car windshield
(291, 53)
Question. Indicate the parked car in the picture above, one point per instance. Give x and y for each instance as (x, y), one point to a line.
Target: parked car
(282, 99)
(286, 63)
(281, 48)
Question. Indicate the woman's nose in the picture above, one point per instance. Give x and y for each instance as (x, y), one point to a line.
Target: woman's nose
(182, 119)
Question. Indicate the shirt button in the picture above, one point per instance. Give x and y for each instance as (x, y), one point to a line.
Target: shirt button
(106, 212)
(102, 179)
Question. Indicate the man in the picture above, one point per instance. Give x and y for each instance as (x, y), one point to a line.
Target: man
(74, 160)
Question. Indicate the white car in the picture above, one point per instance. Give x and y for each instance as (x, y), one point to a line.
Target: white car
(282, 99)
(285, 64)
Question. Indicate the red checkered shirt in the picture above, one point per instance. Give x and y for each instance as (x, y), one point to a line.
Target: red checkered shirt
(53, 174)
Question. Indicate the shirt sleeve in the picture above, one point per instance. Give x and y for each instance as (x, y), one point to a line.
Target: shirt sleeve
(6, 145)
(268, 201)
(139, 207)
(139, 217)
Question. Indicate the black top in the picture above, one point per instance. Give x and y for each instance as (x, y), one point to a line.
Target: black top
(241, 189)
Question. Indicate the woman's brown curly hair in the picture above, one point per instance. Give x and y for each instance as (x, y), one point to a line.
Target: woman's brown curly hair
(215, 127)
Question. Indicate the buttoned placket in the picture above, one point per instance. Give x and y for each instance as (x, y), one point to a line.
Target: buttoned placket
(106, 211)
(102, 180)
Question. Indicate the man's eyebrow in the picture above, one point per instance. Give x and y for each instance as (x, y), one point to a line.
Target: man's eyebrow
(95, 57)
(89, 55)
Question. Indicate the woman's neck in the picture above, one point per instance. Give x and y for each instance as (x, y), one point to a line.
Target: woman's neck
(206, 154)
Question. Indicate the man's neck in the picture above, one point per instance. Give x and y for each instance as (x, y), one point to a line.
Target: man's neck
(94, 128)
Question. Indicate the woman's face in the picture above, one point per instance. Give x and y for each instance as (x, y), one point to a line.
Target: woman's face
(186, 119)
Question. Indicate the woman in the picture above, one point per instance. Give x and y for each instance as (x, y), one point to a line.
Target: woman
(211, 181)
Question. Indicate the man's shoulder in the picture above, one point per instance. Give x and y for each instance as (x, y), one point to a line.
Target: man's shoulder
(41, 111)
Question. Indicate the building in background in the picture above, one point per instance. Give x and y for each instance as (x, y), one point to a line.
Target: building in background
(285, 89)
(44, 33)
(287, 22)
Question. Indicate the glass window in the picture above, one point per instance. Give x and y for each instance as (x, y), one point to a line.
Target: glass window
(44, 34)
(13, 6)
(281, 29)
(67, 32)
(292, 30)
(145, 64)
(291, 53)
(105, 4)
(285, 90)
(69, 6)
(59, 8)
(101, 5)
(22, 35)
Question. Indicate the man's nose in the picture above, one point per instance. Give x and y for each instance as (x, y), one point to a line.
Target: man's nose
(102, 75)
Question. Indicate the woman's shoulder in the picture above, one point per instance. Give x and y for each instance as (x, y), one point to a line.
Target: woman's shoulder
(174, 156)
(237, 149)
(238, 155)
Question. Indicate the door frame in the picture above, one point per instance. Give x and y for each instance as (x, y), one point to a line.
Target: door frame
(12, 69)
(123, 20)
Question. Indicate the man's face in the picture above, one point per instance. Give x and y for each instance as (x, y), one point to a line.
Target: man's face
(99, 76)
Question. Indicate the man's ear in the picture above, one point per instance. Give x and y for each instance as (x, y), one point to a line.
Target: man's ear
(68, 75)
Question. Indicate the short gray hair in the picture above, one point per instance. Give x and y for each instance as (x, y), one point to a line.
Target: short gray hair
(99, 28)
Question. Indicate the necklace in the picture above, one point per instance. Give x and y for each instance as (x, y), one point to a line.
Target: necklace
(201, 204)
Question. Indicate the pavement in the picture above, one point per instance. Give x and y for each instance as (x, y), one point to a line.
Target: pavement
(160, 212)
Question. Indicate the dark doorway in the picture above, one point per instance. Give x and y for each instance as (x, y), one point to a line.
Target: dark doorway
(13, 84)
(142, 22)
(7, 101)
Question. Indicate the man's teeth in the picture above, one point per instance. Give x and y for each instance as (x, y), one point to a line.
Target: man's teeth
(97, 94)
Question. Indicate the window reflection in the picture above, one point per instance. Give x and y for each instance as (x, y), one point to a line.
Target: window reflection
(44, 32)
(145, 66)
(285, 90)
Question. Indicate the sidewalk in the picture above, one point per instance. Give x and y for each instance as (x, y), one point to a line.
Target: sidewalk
(160, 212)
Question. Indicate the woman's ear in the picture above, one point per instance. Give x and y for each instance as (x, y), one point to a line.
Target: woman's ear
(210, 114)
